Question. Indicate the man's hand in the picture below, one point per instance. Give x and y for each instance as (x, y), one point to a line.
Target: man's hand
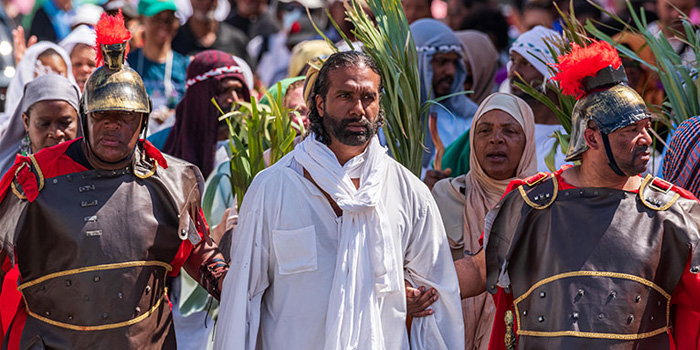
(20, 44)
(418, 300)
(433, 176)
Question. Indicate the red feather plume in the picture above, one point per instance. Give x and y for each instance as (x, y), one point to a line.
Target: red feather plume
(111, 30)
(584, 62)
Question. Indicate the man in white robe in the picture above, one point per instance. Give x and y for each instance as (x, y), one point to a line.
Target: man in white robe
(327, 236)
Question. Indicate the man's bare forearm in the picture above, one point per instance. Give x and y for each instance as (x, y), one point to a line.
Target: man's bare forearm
(471, 272)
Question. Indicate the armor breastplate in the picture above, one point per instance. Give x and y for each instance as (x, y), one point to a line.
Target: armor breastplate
(105, 239)
(595, 267)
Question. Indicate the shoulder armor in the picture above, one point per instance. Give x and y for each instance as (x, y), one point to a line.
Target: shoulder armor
(539, 191)
(30, 179)
(657, 194)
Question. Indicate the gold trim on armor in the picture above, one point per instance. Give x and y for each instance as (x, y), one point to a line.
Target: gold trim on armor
(12, 184)
(103, 267)
(594, 334)
(38, 172)
(634, 278)
(148, 174)
(555, 191)
(649, 181)
(103, 327)
(94, 268)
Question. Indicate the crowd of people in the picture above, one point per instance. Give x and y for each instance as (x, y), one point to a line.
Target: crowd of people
(111, 135)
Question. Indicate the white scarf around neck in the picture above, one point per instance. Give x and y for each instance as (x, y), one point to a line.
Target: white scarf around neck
(366, 268)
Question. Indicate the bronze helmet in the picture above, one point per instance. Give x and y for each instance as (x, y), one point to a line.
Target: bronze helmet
(609, 102)
(114, 87)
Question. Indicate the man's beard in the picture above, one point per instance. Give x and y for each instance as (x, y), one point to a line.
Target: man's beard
(337, 128)
(631, 167)
(524, 95)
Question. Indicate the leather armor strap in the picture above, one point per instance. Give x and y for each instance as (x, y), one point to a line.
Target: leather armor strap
(611, 158)
(541, 193)
(657, 194)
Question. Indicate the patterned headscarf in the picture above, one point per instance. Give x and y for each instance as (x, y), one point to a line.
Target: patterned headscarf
(431, 37)
(532, 46)
(193, 138)
(682, 161)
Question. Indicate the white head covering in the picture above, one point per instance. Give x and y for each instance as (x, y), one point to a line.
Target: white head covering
(25, 73)
(81, 35)
(44, 88)
(86, 14)
(532, 47)
(247, 72)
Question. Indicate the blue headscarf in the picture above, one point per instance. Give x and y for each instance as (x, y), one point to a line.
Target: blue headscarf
(431, 37)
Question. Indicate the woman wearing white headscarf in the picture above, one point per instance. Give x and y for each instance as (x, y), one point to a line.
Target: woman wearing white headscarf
(26, 135)
(502, 149)
(41, 58)
(80, 46)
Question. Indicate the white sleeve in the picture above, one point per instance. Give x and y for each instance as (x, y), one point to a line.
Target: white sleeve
(247, 278)
(428, 262)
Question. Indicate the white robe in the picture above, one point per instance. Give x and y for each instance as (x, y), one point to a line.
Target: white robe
(283, 253)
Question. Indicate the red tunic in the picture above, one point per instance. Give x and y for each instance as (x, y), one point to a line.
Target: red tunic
(685, 335)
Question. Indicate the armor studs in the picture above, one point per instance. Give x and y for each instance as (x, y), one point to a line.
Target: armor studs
(96, 278)
(630, 318)
(138, 310)
(47, 313)
(70, 318)
(540, 319)
(105, 316)
(695, 269)
(543, 294)
(86, 188)
(121, 296)
(575, 315)
(525, 313)
(86, 204)
(147, 290)
(94, 233)
(638, 298)
(601, 316)
(68, 283)
(653, 201)
(55, 181)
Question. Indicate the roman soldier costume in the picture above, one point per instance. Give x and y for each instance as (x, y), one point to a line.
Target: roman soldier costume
(93, 247)
(594, 268)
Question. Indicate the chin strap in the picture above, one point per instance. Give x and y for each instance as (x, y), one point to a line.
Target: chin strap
(611, 158)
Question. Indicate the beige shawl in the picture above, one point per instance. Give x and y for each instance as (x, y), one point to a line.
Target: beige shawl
(483, 59)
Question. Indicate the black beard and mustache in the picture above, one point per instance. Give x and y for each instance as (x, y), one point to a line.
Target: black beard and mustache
(337, 127)
(629, 167)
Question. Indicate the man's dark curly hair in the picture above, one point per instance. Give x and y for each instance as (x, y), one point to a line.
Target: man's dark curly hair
(323, 82)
